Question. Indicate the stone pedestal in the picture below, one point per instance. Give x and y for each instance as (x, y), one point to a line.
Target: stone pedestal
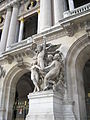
(68, 110)
(46, 105)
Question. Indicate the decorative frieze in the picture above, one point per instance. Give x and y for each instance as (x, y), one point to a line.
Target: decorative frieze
(18, 56)
(69, 28)
(19, 59)
(9, 58)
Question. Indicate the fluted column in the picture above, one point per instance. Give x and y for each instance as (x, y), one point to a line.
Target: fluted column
(21, 30)
(38, 30)
(45, 14)
(12, 29)
(71, 5)
(38, 26)
(5, 30)
(59, 7)
(17, 32)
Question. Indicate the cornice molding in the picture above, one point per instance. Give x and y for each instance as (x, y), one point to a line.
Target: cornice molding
(10, 4)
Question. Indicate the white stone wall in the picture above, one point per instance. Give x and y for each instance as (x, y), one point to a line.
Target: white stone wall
(71, 51)
(13, 72)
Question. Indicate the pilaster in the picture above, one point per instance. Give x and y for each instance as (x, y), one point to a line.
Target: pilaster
(59, 7)
(45, 15)
(71, 5)
(38, 30)
(21, 30)
(5, 30)
(12, 29)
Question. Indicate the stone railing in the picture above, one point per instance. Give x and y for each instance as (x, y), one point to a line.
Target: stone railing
(78, 10)
(29, 40)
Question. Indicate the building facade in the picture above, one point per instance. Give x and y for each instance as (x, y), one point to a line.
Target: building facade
(24, 22)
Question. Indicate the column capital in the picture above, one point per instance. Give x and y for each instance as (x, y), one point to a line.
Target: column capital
(2, 28)
(8, 8)
(38, 11)
(37, 1)
(21, 20)
(16, 4)
(31, 3)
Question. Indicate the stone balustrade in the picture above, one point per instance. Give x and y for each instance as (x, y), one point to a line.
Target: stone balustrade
(29, 40)
(78, 10)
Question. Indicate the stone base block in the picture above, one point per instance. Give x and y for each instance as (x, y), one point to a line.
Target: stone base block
(46, 105)
(68, 111)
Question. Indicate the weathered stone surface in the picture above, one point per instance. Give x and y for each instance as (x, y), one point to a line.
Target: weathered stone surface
(46, 105)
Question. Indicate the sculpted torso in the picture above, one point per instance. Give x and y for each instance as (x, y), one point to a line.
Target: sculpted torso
(34, 74)
(41, 59)
(55, 70)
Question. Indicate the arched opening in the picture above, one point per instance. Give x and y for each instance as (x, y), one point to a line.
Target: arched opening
(77, 56)
(24, 86)
(86, 76)
(17, 85)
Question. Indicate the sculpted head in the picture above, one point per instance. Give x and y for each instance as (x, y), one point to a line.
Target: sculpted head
(50, 57)
(56, 57)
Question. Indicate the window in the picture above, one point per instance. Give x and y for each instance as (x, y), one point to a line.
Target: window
(0, 33)
(79, 3)
(30, 26)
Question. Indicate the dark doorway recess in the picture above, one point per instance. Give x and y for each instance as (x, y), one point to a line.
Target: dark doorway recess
(21, 103)
(86, 75)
